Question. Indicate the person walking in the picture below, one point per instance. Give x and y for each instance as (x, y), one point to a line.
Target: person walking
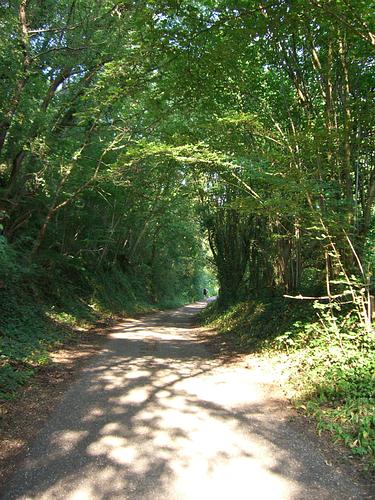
(205, 293)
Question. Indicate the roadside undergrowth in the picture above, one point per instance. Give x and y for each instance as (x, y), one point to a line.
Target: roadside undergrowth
(42, 309)
(328, 365)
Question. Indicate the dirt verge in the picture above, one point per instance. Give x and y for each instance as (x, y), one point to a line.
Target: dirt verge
(22, 418)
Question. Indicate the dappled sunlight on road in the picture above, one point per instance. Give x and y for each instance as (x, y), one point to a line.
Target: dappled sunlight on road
(155, 415)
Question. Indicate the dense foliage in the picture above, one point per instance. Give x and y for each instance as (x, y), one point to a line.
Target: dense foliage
(135, 134)
(328, 371)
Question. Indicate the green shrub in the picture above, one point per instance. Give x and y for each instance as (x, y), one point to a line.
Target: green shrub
(331, 361)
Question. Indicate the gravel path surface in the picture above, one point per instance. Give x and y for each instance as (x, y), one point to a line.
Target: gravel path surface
(156, 416)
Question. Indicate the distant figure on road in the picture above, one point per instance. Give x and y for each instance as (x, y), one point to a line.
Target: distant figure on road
(205, 293)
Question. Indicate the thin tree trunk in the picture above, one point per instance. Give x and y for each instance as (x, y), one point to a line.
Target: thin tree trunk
(347, 159)
(21, 82)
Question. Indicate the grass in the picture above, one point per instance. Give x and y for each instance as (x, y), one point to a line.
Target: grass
(29, 330)
(330, 363)
(41, 310)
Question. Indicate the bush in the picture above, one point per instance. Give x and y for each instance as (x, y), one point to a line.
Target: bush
(331, 361)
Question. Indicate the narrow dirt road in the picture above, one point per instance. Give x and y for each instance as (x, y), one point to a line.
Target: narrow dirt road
(156, 416)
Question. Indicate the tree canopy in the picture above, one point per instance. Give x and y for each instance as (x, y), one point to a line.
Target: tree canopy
(129, 130)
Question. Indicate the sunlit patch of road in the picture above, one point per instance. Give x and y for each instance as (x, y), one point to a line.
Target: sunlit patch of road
(157, 416)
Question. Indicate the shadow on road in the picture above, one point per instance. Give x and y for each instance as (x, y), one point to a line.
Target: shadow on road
(155, 415)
